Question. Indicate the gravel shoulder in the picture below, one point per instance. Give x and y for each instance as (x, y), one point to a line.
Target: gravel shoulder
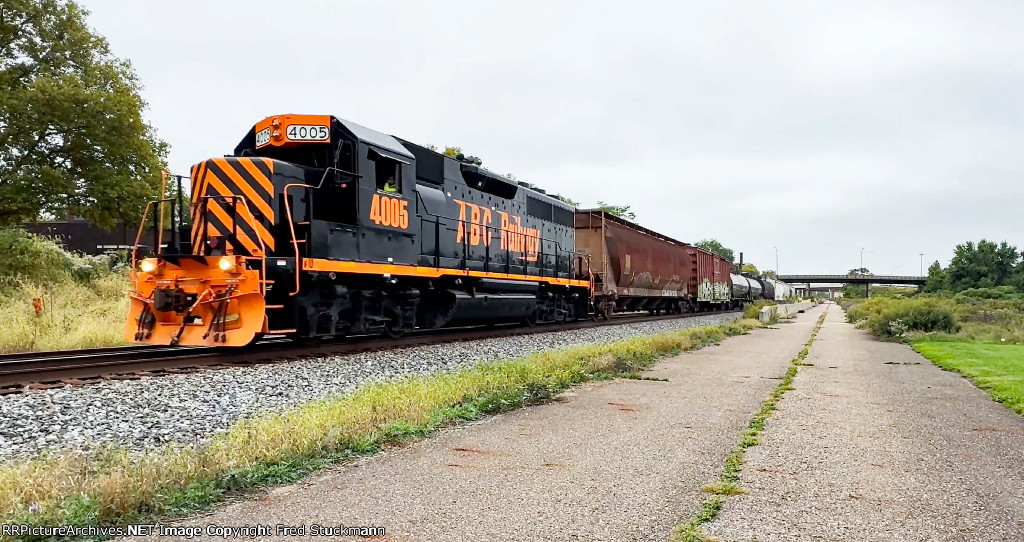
(876, 443)
(619, 460)
(190, 408)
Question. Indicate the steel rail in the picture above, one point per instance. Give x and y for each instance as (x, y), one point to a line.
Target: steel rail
(56, 368)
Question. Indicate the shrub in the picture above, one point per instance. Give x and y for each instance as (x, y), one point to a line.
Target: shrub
(998, 292)
(886, 317)
(41, 260)
(753, 310)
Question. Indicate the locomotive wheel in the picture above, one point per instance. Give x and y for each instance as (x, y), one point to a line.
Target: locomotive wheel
(607, 312)
(393, 332)
(530, 319)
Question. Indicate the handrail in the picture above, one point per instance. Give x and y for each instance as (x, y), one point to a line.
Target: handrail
(263, 246)
(163, 192)
(205, 199)
(138, 235)
(291, 228)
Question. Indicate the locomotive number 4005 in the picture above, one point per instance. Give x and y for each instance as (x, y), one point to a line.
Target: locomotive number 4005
(392, 212)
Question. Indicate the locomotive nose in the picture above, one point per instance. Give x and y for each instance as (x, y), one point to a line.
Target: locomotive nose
(195, 300)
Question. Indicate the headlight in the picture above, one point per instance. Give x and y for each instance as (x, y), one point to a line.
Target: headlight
(148, 266)
(226, 264)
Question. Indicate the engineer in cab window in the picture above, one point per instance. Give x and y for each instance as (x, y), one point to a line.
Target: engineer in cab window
(388, 176)
(390, 185)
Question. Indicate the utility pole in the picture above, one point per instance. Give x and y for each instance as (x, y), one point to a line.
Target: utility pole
(776, 263)
(862, 258)
(922, 263)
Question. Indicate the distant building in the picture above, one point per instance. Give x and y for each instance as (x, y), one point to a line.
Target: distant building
(80, 235)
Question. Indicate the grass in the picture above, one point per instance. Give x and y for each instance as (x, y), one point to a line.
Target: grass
(729, 481)
(117, 487)
(753, 310)
(74, 315)
(995, 368)
(84, 298)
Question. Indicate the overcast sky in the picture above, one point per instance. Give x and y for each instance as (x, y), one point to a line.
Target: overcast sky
(815, 127)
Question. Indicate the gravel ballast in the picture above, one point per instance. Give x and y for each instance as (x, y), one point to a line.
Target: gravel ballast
(190, 408)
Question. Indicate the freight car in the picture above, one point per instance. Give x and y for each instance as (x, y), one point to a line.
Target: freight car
(637, 269)
(745, 290)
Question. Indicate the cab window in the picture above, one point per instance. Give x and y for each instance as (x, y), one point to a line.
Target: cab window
(388, 175)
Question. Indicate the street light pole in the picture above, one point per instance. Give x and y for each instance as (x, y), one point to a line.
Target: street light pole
(776, 263)
(922, 263)
(862, 258)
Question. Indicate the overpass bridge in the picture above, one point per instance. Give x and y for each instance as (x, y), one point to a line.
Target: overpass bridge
(867, 280)
(854, 279)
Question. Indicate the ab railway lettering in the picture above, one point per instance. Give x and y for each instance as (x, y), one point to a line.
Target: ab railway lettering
(514, 236)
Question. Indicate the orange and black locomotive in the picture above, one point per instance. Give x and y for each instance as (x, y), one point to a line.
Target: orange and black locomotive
(316, 226)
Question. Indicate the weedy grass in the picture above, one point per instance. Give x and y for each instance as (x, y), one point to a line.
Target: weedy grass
(74, 314)
(753, 310)
(84, 299)
(116, 486)
(729, 480)
(995, 368)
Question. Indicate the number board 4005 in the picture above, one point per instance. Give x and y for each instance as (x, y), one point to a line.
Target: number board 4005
(306, 132)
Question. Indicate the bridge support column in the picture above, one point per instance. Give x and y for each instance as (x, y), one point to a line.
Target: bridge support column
(867, 289)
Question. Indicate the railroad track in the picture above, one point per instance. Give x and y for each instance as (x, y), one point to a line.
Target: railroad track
(42, 370)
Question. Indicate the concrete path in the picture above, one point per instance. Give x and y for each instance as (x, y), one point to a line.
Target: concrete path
(622, 460)
(876, 443)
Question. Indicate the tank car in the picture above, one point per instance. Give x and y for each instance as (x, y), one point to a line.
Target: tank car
(316, 226)
(745, 290)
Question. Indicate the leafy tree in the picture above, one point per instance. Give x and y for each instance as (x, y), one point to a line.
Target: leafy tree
(713, 245)
(936, 278)
(750, 268)
(452, 152)
(617, 210)
(981, 266)
(72, 137)
(857, 290)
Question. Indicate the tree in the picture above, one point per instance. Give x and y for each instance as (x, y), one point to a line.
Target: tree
(617, 210)
(981, 266)
(856, 290)
(452, 152)
(936, 278)
(712, 245)
(72, 137)
(750, 269)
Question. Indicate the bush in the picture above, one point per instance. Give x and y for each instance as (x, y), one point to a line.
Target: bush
(1008, 293)
(894, 318)
(753, 310)
(41, 260)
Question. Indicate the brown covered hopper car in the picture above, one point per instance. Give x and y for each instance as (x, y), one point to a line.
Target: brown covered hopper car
(638, 269)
